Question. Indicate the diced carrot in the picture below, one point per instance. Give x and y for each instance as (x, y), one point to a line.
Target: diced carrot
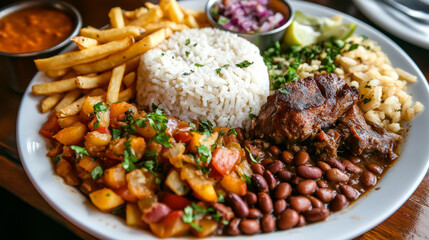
(72, 135)
(118, 112)
(51, 127)
(234, 184)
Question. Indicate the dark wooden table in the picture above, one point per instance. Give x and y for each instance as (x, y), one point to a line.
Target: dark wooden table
(411, 221)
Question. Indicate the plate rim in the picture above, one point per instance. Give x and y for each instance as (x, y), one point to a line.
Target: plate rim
(99, 232)
(405, 36)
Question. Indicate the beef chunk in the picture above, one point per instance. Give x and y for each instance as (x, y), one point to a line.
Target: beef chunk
(359, 137)
(311, 104)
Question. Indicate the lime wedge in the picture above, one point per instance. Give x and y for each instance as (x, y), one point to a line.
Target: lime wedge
(300, 34)
(338, 30)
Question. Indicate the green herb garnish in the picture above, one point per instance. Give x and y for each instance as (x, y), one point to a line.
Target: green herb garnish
(97, 172)
(188, 41)
(199, 65)
(244, 64)
(189, 217)
(283, 91)
(251, 156)
(80, 152)
(129, 157)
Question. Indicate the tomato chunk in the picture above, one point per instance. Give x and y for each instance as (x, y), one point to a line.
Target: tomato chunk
(175, 202)
(224, 160)
(182, 136)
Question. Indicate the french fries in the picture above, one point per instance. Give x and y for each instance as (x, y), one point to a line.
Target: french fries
(54, 87)
(116, 17)
(111, 34)
(84, 42)
(115, 84)
(150, 16)
(108, 59)
(70, 59)
(49, 102)
(117, 59)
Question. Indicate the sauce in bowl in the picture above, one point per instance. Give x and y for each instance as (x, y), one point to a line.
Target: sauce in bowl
(35, 29)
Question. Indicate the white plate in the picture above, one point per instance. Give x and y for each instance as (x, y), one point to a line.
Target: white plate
(395, 22)
(396, 186)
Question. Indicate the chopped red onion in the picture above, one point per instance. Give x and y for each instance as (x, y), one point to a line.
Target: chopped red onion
(249, 16)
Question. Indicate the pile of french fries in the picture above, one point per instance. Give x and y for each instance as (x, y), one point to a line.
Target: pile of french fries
(106, 61)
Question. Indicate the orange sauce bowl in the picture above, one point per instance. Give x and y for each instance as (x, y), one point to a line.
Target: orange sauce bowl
(31, 30)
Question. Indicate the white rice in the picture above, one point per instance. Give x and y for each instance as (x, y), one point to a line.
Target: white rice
(169, 78)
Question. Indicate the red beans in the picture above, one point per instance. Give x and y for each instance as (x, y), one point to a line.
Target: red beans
(260, 183)
(285, 175)
(316, 214)
(283, 191)
(226, 212)
(271, 180)
(257, 168)
(335, 163)
(275, 166)
(279, 206)
(265, 203)
(301, 221)
(323, 166)
(287, 219)
(350, 167)
(232, 228)
(309, 172)
(240, 208)
(250, 198)
(369, 179)
(306, 187)
(375, 168)
(339, 202)
(336, 175)
(287, 157)
(299, 203)
(249, 226)
(350, 192)
(322, 183)
(268, 223)
(274, 150)
(301, 158)
(254, 213)
(266, 161)
(316, 203)
(325, 194)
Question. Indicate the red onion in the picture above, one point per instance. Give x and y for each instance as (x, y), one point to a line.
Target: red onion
(248, 16)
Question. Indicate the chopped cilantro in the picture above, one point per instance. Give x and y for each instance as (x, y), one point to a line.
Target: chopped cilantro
(195, 44)
(80, 151)
(199, 65)
(366, 100)
(57, 158)
(251, 156)
(97, 172)
(162, 54)
(244, 64)
(232, 131)
(201, 210)
(252, 116)
(189, 217)
(129, 157)
(187, 53)
(218, 70)
(222, 20)
(247, 179)
(151, 165)
(162, 138)
(99, 107)
(220, 198)
(353, 47)
(206, 126)
(188, 41)
(188, 73)
(206, 154)
(367, 86)
(116, 133)
(283, 91)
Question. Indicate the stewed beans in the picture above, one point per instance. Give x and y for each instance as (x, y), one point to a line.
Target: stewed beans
(291, 188)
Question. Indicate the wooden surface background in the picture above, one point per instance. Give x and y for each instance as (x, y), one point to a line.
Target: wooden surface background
(411, 221)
